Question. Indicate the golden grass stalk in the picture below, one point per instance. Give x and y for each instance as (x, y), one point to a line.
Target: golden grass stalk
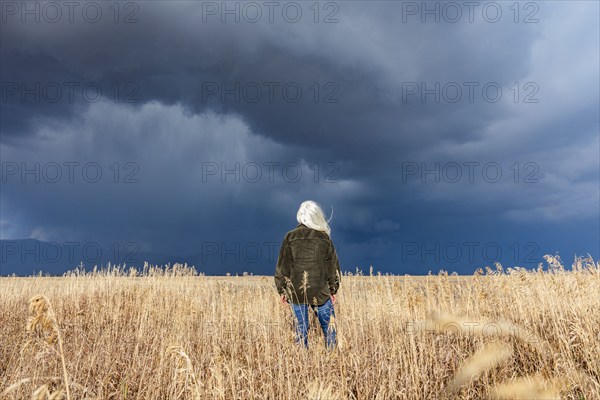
(529, 387)
(448, 323)
(485, 358)
(322, 391)
(14, 386)
(184, 369)
(42, 320)
(43, 393)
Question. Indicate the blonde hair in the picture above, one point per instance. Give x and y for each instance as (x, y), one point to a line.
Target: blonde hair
(311, 215)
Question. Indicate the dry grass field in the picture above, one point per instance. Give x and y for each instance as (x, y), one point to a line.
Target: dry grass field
(173, 334)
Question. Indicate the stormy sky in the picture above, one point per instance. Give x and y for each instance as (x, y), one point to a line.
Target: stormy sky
(443, 135)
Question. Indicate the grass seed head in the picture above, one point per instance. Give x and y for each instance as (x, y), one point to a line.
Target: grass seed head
(530, 387)
(486, 358)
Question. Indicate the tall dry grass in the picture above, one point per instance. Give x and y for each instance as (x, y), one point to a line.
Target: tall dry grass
(173, 334)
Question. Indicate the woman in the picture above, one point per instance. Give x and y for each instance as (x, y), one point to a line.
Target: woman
(308, 272)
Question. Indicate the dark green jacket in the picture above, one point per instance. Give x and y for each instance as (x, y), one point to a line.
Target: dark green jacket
(307, 252)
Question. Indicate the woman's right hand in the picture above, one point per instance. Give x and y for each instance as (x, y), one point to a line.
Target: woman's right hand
(333, 299)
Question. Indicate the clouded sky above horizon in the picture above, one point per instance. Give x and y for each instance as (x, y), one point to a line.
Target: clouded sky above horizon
(437, 144)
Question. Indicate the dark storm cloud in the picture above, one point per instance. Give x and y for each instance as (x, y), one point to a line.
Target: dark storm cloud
(172, 56)
(167, 121)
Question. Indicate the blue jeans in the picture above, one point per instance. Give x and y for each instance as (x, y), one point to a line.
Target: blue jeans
(324, 313)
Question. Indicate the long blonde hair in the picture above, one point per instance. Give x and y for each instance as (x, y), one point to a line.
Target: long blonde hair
(311, 215)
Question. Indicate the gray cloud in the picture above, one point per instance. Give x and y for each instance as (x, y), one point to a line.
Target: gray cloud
(174, 127)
